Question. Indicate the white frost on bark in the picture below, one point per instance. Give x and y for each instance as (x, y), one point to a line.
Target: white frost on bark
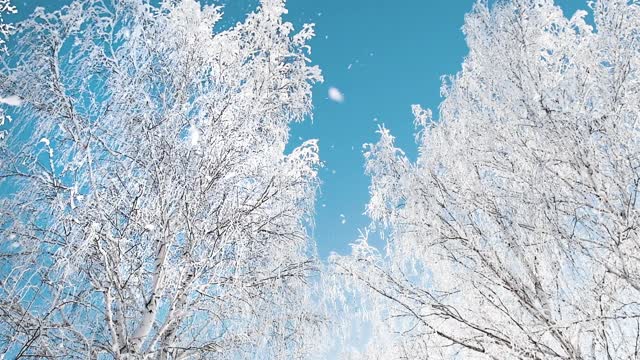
(514, 235)
(157, 213)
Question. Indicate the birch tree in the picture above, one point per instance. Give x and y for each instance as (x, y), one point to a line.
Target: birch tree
(515, 233)
(149, 209)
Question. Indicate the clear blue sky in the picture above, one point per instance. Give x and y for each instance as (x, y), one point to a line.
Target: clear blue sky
(397, 51)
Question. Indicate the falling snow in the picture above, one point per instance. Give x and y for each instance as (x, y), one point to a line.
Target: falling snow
(336, 95)
(11, 100)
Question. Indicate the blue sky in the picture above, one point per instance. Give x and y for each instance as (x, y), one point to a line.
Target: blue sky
(398, 51)
(383, 56)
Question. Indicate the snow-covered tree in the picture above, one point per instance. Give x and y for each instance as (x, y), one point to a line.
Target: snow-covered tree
(5, 28)
(516, 232)
(5, 31)
(149, 209)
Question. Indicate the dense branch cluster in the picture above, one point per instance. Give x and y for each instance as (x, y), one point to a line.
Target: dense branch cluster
(516, 232)
(152, 210)
(149, 209)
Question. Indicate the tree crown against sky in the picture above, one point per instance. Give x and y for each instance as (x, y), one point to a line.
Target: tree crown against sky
(151, 210)
(515, 233)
